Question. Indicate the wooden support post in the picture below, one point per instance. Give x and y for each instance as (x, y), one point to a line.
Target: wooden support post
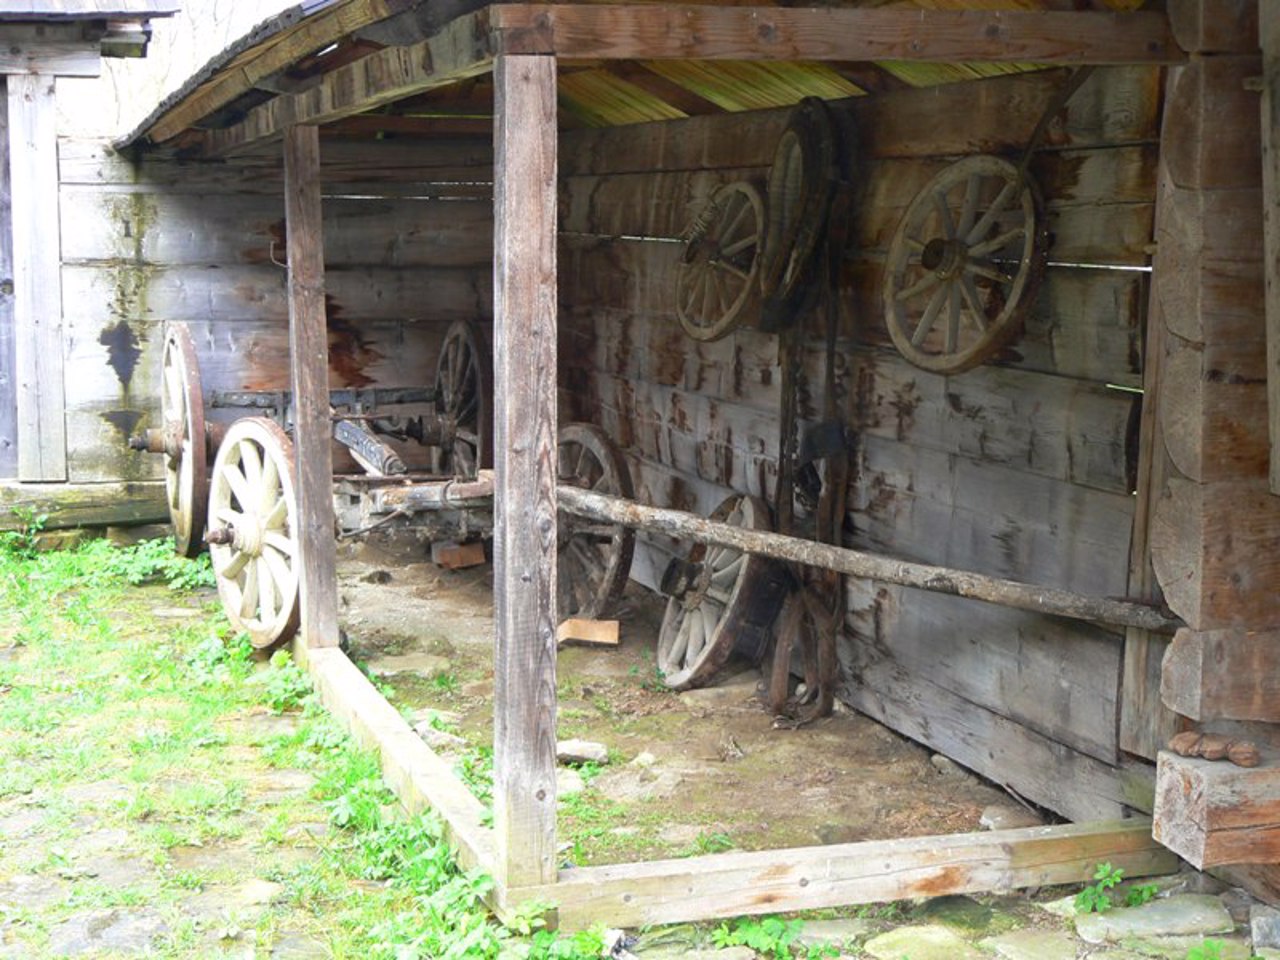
(8, 372)
(1228, 674)
(309, 353)
(1213, 813)
(524, 546)
(37, 306)
(1269, 39)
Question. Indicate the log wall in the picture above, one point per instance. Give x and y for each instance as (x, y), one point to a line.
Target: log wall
(408, 249)
(1023, 468)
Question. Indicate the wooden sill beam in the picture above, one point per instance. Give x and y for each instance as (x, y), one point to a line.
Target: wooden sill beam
(810, 878)
(704, 32)
(460, 50)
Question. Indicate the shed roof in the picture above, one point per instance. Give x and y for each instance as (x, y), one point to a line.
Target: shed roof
(63, 10)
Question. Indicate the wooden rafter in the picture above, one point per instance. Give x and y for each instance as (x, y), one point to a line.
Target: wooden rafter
(682, 98)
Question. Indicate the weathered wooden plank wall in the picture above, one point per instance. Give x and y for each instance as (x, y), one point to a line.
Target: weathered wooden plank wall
(8, 358)
(408, 242)
(1024, 468)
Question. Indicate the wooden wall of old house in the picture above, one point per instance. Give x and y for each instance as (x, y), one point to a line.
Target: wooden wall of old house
(1023, 468)
(408, 244)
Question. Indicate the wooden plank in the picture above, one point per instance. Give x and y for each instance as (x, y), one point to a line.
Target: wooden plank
(644, 32)
(1211, 139)
(595, 632)
(1269, 36)
(1229, 674)
(66, 505)
(807, 878)
(8, 360)
(459, 50)
(37, 309)
(524, 554)
(309, 367)
(1213, 549)
(49, 50)
(1216, 26)
(1213, 813)
(416, 774)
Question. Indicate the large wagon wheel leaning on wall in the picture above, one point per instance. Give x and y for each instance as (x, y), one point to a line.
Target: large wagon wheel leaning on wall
(593, 558)
(253, 540)
(464, 391)
(964, 265)
(722, 601)
(186, 465)
(717, 272)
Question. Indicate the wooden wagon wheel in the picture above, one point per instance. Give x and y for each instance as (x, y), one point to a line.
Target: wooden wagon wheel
(800, 184)
(464, 388)
(964, 265)
(253, 538)
(717, 271)
(593, 559)
(186, 464)
(722, 601)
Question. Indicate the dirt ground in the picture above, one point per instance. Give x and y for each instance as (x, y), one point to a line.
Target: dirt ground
(691, 772)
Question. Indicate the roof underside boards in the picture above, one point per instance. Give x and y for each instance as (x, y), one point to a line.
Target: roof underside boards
(87, 9)
(298, 49)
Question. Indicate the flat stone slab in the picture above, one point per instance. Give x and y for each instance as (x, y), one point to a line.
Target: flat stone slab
(581, 751)
(1190, 914)
(32, 892)
(736, 693)
(961, 912)
(1008, 817)
(1264, 926)
(119, 930)
(930, 942)
(1033, 945)
(679, 952)
(835, 933)
(97, 794)
(1177, 948)
(421, 664)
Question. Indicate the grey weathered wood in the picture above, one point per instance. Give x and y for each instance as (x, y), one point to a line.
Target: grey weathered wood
(1269, 38)
(858, 563)
(309, 364)
(82, 504)
(1213, 813)
(33, 166)
(804, 878)
(89, 9)
(50, 50)
(525, 437)
(1230, 674)
(8, 361)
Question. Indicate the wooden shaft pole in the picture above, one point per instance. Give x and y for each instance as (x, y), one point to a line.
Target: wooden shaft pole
(524, 544)
(1009, 593)
(309, 363)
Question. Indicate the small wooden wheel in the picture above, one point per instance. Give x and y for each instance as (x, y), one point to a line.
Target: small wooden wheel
(253, 533)
(464, 385)
(593, 559)
(964, 265)
(186, 464)
(722, 600)
(800, 184)
(717, 272)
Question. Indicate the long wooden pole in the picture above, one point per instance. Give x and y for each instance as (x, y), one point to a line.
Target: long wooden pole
(1009, 593)
(524, 426)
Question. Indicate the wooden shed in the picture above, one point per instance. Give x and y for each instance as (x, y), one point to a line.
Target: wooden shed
(1020, 372)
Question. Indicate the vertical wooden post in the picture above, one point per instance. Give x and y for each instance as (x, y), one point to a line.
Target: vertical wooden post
(309, 364)
(37, 304)
(1269, 40)
(524, 552)
(8, 362)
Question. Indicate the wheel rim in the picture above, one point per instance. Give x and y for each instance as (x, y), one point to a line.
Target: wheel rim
(964, 265)
(253, 538)
(186, 466)
(717, 273)
(593, 559)
(729, 603)
(464, 384)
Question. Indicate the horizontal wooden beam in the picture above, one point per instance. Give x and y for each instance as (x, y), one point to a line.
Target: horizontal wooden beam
(55, 50)
(64, 505)
(808, 878)
(869, 566)
(1213, 813)
(460, 50)
(1229, 674)
(708, 32)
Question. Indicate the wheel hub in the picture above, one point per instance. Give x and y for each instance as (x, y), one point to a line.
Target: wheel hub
(944, 257)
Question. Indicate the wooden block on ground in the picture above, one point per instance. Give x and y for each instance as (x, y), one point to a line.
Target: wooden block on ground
(457, 556)
(600, 632)
(1213, 813)
(1230, 674)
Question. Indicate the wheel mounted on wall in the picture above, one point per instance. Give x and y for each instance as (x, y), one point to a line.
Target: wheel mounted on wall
(464, 385)
(964, 264)
(593, 558)
(253, 539)
(721, 601)
(186, 476)
(717, 272)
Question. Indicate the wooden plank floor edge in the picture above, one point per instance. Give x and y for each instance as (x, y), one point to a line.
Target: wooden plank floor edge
(413, 771)
(806, 878)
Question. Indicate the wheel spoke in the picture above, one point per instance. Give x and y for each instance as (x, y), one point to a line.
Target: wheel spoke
(944, 215)
(728, 573)
(251, 464)
(266, 590)
(728, 267)
(720, 596)
(970, 208)
(1002, 200)
(281, 572)
(746, 243)
(997, 242)
(239, 485)
(928, 282)
(249, 596)
(953, 318)
(743, 208)
(235, 563)
(279, 543)
(697, 636)
(988, 271)
(974, 300)
(269, 484)
(930, 315)
(681, 644)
